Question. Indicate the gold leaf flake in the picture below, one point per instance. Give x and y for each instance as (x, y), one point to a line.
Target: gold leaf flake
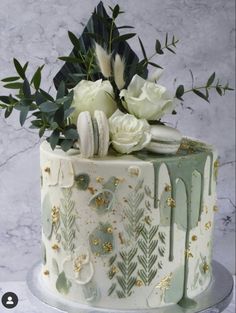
(205, 267)
(194, 238)
(165, 283)
(55, 247)
(215, 208)
(208, 225)
(55, 214)
(46, 273)
(99, 179)
(167, 188)
(188, 253)
(109, 230)
(47, 170)
(138, 283)
(171, 202)
(107, 246)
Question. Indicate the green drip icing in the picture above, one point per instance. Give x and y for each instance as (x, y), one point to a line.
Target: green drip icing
(211, 169)
(156, 167)
(172, 221)
(182, 167)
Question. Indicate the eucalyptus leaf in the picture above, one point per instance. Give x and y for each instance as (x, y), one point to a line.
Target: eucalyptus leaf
(200, 94)
(143, 49)
(46, 95)
(5, 99)
(219, 90)
(74, 40)
(20, 70)
(54, 138)
(8, 112)
(71, 133)
(48, 107)
(36, 80)
(26, 88)
(179, 92)
(154, 64)
(67, 144)
(61, 90)
(124, 37)
(158, 47)
(211, 80)
(13, 85)
(116, 11)
(125, 26)
(10, 79)
(23, 114)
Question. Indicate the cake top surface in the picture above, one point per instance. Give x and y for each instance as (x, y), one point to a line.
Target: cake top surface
(188, 148)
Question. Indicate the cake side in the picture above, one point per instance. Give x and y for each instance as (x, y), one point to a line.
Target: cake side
(130, 231)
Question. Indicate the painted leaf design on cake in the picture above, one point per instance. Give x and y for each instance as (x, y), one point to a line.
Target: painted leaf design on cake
(46, 216)
(91, 292)
(63, 285)
(134, 213)
(148, 258)
(127, 277)
(102, 201)
(82, 181)
(68, 220)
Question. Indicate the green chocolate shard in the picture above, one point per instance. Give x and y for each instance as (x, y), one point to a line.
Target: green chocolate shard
(82, 181)
(46, 216)
(102, 201)
(63, 285)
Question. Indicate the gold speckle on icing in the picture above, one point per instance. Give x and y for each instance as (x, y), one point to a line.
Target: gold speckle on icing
(114, 270)
(147, 220)
(194, 238)
(55, 214)
(77, 265)
(109, 230)
(165, 283)
(215, 208)
(100, 201)
(216, 168)
(92, 190)
(167, 188)
(55, 247)
(138, 283)
(47, 170)
(99, 179)
(171, 202)
(208, 225)
(96, 242)
(205, 267)
(46, 273)
(188, 253)
(107, 247)
(133, 171)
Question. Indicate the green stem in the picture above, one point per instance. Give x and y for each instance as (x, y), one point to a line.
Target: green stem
(89, 68)
(154, 54)
(110, 36)
(202, 87)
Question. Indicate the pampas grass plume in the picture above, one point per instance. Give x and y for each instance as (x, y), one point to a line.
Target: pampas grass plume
(104, 60)
(118, 70)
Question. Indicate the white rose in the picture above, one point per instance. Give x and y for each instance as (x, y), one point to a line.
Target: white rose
(128, 133)
(146, 99)
(91, 96)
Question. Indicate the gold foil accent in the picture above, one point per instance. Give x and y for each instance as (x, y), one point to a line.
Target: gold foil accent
(216, 168)
(138, 283)
(147, 220)
(109, 230)
(107, 246)
(92, 190)
(206, 208)
(55, 247)
(194, 238)
(165, 283)
(215, 208)
(46, 273)
(99, 179)
(171, 202)
(77, 265)
(100, 201)
(55, 214)
(208, 225)
(188, 253)
(47, 170)
(96, 242)
(167, 188)
(114, 270)
(205, 267)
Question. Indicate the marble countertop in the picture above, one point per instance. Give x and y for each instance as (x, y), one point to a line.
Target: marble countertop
(26, 305)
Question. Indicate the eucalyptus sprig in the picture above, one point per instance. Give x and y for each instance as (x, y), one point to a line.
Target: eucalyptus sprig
(203, 91)
(45, 112)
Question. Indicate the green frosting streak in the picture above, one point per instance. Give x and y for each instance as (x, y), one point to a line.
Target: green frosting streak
(47, 216)
(181, 203)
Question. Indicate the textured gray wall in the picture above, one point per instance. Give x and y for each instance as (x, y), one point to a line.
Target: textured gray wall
(36, 31)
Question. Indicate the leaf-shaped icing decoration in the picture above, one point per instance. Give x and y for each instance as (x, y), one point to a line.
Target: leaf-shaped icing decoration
(44, 255)
(63, 285)
(102, 201)
(66, 174)
(91, 292)
(55, 268)
(46, 216)
(102, 240)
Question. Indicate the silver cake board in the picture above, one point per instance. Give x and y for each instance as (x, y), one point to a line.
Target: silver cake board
(213, 300)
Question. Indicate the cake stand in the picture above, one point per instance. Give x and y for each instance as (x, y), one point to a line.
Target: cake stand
(213, 300)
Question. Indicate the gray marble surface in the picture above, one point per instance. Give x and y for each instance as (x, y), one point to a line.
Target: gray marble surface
(36, 31)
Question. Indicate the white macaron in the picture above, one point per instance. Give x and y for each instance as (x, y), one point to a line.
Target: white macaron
(93, 134)
(165, 140)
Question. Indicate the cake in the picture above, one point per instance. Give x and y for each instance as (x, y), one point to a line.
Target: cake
(128, 232)
(127, 202)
